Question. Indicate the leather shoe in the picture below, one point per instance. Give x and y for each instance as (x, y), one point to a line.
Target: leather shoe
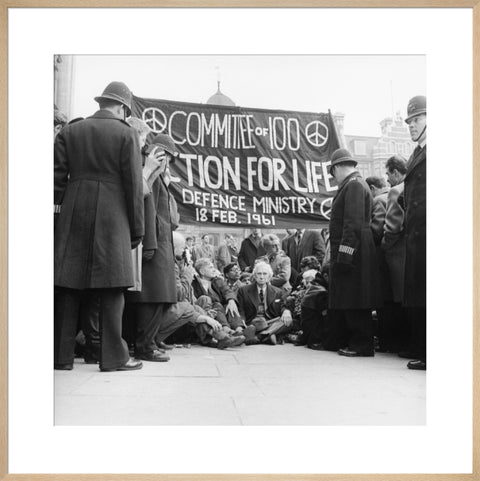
(130, 365)
(349, 353)
(155, 356)
(165, 347)
(230, 341)
(417, 365)
(271, 339)
(63, 367)
(252, 341)
(316, 346)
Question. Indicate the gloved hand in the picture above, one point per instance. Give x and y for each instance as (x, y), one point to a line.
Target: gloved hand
(135, 241)
(148, 254)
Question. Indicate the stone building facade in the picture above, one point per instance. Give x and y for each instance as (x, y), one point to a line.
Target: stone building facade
(372, 152)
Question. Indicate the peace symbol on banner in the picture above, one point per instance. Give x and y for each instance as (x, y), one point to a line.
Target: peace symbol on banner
(155, 119)
(326, 208)
(316, 133)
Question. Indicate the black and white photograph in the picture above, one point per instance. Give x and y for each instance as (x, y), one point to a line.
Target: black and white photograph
(240, 240)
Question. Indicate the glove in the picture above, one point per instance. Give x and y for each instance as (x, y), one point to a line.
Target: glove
(148, 254)
(135, 241)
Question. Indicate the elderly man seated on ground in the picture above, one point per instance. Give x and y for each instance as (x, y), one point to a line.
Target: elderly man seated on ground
(183, 321)
(261, 306)
(215, 297)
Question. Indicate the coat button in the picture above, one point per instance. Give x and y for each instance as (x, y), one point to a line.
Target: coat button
(415, 203)
(416, 233)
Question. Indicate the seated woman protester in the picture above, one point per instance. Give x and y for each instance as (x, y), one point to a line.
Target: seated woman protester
(279, 262)
(313, 310)
(307, 263)
(261, 306)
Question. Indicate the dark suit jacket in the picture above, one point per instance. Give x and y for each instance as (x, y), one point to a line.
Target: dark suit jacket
(247, 298)
(248, 253)
(312, 244)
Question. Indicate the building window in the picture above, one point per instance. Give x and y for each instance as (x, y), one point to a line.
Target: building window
(360, 147)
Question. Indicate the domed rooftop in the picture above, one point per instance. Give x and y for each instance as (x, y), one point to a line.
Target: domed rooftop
(219, 98)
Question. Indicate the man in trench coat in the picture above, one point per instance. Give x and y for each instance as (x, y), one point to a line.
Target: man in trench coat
(159, 288)
(354, 276)
(98, 184)
(415, 200)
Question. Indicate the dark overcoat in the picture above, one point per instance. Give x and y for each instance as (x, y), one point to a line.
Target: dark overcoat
(415, 200)
(98, 182)
(158, 273)
(354, 275)
(248, 300)
(249, 251)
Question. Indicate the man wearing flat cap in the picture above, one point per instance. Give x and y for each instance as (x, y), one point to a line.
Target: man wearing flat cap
(415, 201)
(98, 184)
(354, 277)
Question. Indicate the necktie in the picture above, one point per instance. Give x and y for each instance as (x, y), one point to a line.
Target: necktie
(261, 304)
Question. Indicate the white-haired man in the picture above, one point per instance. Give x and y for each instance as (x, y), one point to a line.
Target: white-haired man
(261, 305)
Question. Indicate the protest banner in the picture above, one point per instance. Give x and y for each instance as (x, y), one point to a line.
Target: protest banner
(246, 167)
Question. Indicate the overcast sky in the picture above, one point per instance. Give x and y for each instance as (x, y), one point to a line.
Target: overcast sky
(366, 88)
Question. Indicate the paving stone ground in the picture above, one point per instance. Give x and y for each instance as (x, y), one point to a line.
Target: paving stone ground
(255, 385)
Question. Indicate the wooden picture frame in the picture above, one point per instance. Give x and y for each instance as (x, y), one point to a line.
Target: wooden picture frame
(5, 6)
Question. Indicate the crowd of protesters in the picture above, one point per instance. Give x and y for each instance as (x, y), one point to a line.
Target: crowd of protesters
(129, 287)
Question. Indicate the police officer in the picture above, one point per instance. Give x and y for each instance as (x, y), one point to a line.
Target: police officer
(354, 278)
(98, 183)
(415, 201)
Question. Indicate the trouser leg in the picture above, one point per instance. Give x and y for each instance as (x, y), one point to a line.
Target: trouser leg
(336, 332)
(66, 315)
(360, 325)
(312, 325)
(183, 335)
(403, 324)
(419, 332)
(388, 332)
(149, 317)
(172, 321)
(129, 323)
(90, 325)
(114, 350)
